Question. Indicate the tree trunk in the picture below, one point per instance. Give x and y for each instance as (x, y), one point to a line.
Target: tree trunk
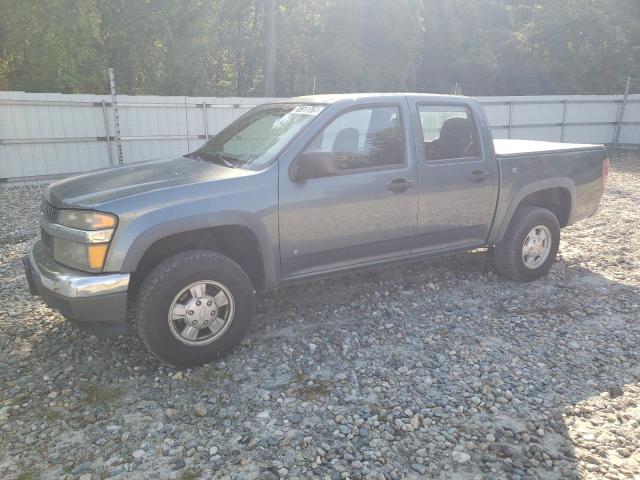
(270, 58)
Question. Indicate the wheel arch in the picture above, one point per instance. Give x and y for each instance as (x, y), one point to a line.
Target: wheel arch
(240, 239)
(557, 195)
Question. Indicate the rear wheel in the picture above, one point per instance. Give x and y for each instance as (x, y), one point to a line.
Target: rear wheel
(529, 246)
(194, 307)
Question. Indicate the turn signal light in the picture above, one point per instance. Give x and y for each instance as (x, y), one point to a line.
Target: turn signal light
(96, 254)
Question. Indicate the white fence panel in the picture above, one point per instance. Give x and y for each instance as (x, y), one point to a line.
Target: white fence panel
(573, 119)
(49, 134)
(498, 114)
(630, 133)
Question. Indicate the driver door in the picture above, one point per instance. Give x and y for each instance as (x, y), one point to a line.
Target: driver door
(364, 213)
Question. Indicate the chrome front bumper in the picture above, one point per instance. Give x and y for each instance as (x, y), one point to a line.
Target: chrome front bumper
(97, 303)
(71, 283)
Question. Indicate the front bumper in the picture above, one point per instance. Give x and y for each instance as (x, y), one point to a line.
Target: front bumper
(94, 300)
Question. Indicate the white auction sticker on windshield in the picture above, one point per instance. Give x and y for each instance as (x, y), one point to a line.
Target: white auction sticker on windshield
(308, 109)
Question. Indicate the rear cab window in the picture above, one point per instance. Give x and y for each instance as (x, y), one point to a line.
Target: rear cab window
(449, 132)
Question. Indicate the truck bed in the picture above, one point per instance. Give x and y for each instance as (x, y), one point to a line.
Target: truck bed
(575, 169)
(518, 148)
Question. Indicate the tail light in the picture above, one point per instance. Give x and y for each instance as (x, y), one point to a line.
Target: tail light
(605, 173)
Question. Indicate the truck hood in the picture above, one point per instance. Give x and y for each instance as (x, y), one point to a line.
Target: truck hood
(98, 187)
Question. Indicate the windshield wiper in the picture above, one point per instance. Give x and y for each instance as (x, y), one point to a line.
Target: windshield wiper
(218, 158)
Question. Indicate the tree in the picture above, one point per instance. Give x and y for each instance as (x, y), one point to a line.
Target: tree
(270, 49)
(52, 45)
(361, 47)
(217, 47)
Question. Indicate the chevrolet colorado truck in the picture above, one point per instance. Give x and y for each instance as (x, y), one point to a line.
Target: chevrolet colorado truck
(297, 189)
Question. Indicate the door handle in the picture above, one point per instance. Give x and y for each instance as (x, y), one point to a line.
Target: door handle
(478, 176)
(399, 185)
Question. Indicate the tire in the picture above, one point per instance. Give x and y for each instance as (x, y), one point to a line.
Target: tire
(508, 255)
(166, 288)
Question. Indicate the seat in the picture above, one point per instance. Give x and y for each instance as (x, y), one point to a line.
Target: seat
(455, 139)
(347, 140)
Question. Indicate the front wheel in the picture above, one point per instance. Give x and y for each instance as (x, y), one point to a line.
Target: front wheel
(194, 307)
(529, 246)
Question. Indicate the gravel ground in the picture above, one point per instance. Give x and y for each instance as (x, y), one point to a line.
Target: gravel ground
(438, 370)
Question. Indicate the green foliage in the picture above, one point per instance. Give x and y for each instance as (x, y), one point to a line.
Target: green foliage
(514, 47)
(100, 395)
(190, 474)
(26, 476)
(216, 47)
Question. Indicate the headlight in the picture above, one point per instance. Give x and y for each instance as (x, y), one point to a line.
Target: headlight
(81, 238)
(89, 257)
(86, 220)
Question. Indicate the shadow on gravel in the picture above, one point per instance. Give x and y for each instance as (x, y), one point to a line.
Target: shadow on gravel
(578, 351)
(542, 375)
(513, 380)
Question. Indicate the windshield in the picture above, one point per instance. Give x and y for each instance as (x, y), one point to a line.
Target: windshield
(256, 138)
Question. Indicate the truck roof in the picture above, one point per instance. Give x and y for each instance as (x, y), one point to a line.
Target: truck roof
(367, 97)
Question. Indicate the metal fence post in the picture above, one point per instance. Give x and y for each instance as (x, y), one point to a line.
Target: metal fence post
(116, 115)
(510, 117)
(107, 132)
(186, 119)
(564, 119)
(205, 121)
(620, 116)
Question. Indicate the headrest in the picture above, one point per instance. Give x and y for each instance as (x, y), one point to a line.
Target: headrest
(347, 140)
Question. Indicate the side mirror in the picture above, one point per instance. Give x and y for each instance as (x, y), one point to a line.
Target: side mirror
(314, 164)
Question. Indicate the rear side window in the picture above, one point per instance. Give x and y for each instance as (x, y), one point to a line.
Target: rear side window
(364, 138)
(449, 132)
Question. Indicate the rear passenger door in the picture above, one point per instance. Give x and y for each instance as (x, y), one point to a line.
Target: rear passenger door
(458, 181)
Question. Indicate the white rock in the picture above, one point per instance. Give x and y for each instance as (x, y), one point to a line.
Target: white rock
(138, 454)
(460, 457)
(171, 412)
(415, 422)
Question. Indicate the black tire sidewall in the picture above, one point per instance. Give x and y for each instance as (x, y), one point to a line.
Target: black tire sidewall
(163, 284)
(546, 218)
(511, 263)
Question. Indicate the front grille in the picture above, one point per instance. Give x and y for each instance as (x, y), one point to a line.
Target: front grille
(48, 211)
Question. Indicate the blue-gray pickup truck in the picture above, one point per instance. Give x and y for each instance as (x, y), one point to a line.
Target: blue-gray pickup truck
(293, 190)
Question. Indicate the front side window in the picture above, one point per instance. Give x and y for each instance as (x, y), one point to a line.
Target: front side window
(448, 132)
(255, 139)
(363, 138)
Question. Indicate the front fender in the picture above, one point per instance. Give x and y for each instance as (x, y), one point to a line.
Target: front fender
(132, 245)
